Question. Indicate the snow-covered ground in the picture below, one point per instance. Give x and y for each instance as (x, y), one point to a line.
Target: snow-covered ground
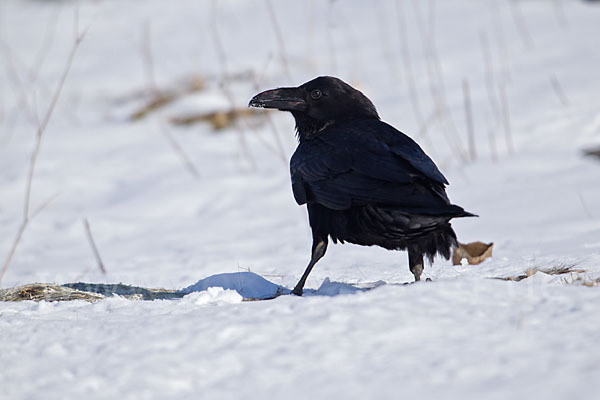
(532, 72)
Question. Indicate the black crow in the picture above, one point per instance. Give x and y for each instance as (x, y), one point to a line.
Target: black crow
(363, 181)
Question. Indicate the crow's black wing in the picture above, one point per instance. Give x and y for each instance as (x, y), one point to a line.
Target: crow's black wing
(362, 163)
(403, 146)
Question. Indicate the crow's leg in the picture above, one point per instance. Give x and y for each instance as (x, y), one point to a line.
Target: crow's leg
(318, 250)
(415, 263)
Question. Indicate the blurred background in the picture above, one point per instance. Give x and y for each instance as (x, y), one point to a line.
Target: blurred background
(125, 135)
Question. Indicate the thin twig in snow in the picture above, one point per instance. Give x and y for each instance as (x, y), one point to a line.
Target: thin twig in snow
(42, 206)
(33, 72)
(34, 155)
(519, 20)
(330, 40)
(266, 143)
(280, 149)
(492, 141)
(469, 120)
(44, 123)
(436, 80)
(310, 37)
(506, 119)
(148, 58)
(412, 87)
(279, 144)
(560, 93)
(355, 62)
(15, 80)
(2, 107)
(489, 76)
(559, 10)
(15, 65)
(90, 238)
(500, 42)
(185, 159)
(18, 67)
(280, 41)
(258, 79)
(585, 208)
(224, 85)
(422, 132)
(384, 37)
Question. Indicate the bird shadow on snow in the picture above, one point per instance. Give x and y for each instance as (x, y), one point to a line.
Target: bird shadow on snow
(252, 286)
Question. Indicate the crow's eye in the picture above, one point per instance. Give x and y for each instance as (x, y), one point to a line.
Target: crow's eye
(316, 94)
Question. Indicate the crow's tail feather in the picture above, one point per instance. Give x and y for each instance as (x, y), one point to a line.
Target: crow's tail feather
(441, 240)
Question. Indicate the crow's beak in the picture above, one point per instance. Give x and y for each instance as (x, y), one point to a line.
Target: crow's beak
(285, 99)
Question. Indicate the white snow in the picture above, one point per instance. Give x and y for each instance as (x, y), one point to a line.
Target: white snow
(235, 231)
(247, 284)
(213, 295)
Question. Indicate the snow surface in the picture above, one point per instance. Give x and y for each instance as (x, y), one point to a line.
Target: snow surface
(359, 332)
(247, 284)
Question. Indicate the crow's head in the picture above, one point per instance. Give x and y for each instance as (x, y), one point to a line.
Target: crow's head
(318, 103)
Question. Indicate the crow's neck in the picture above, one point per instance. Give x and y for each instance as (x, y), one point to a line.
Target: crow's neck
(307, 127)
